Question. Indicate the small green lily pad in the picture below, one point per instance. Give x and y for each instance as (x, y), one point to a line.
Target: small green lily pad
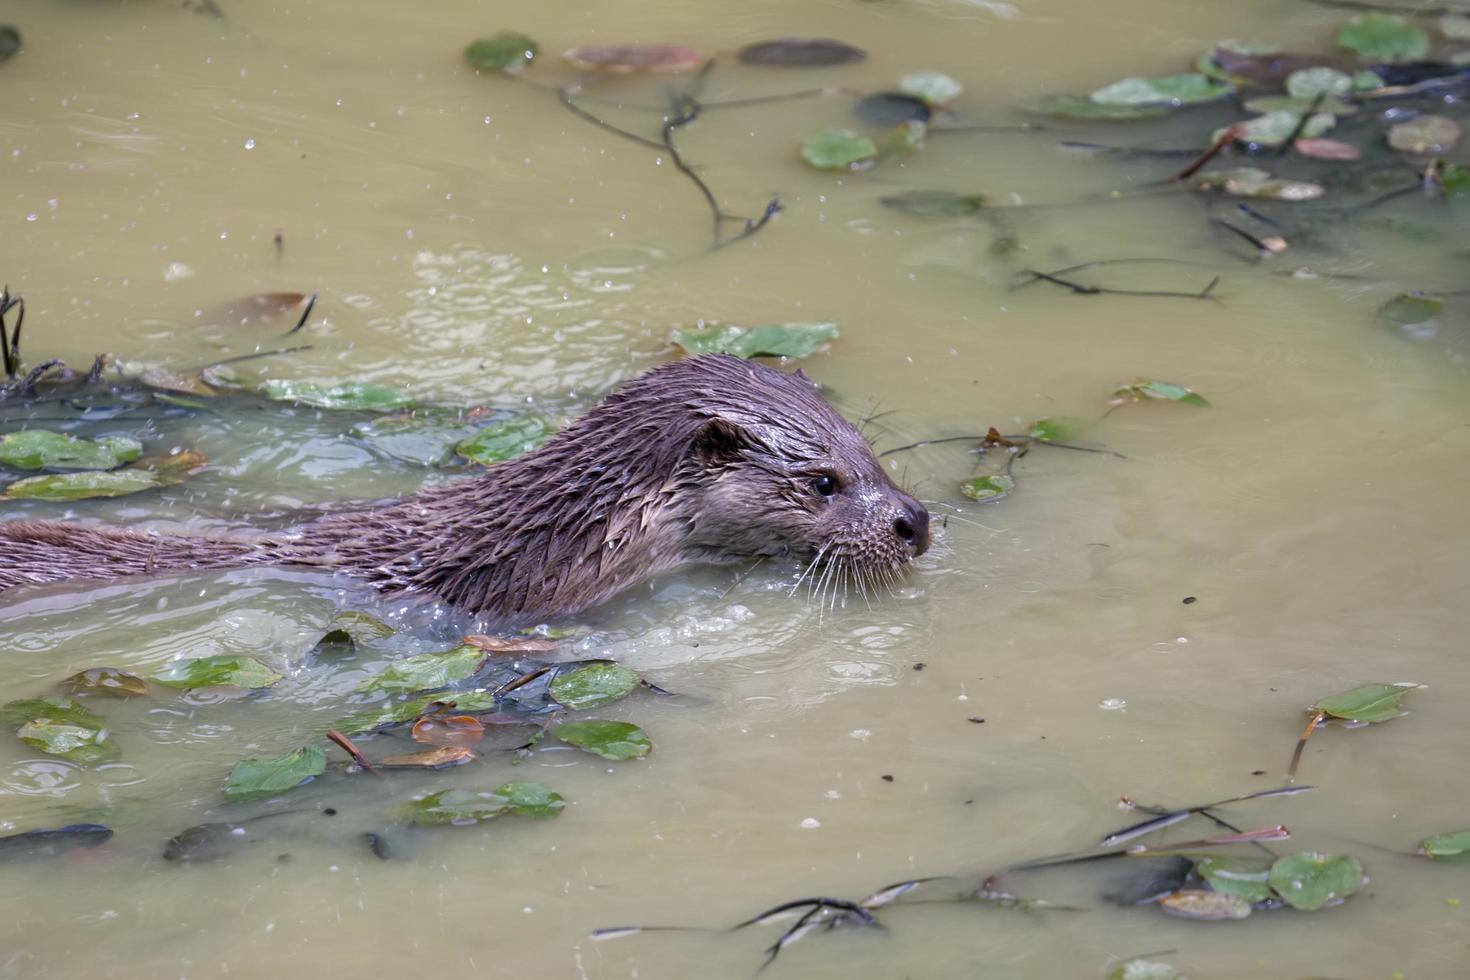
(1206, 905)
(78, 743)
(505, 440)
(234, 670)
(934, 88)
(1369, 703)
(1171, 90)
(356, 628)
(534, 800)
(1242, 877)
(986, 488)
(1308, 83)
(1409, 309)
(462, 807)
(1163, 390)
(66, 487)
(1452, 846)
(1273, 128)
(837, 149)
(427, 671)
(384, 715)
(254, 779)
(1082, 108)
(506, 51)
(1309, 880)
(594, 685)
(105, 680)
(609, 739)
(1059, 429)
(355, 396)
(1384, 37)
(52, 708)
(933, 204)
(41, 449)
(775, 340)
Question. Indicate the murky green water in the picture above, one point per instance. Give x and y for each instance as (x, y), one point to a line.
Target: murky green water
(472, 242)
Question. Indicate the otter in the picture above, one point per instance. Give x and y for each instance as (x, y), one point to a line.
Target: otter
(708, 459)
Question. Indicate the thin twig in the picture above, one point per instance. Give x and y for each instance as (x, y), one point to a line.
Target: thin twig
(346, 745)
(1084, 289)
(1212, 151)
(304, 314)
(251, 357)
(565, 95)
(1301, 124)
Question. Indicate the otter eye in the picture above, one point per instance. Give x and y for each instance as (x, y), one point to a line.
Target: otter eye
(826, 484)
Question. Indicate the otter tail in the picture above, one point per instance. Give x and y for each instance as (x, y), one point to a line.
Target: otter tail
(33, 552)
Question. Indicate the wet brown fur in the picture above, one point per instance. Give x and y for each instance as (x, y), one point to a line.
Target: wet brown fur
(706, 459)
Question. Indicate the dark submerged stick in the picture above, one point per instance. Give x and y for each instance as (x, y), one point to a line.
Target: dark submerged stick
(1301, 124)
(304, 315)
(1082, 289)
(10, 347)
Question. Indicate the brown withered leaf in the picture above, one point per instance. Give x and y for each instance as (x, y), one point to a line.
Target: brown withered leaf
(449, 730)
(439, 758)
(511, 644)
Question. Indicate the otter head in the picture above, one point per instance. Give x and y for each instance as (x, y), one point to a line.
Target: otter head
(773, 470)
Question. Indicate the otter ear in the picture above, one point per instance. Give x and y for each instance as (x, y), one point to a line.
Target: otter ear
(719, 439)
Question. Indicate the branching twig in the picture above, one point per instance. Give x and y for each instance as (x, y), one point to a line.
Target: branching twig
(1083, 289)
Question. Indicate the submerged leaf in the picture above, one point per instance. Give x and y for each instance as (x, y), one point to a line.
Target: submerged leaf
(421, 437)
(1138, 969)
(1324, 149)
(1425, 134)
(629, 58)
(609, 739)
(892, 109)
(985, 488)
(934, 88)
(105, 680)
(1409, 309)
(235, 670)
(456, 730)
(50, 708)
(790, 52)
(837, 149)
(1369, 703)
(1452, 846)
(37, 449)
(1285, 103)
(1081, 107)
(253, 779)
(9, 41)
(1163, 390)
(1253, 182)
(775, 340)
(384, 715)
(260, 308)
(79, 743)
(505, 51)
(441, 757)
(933, 204)
(1058, 429)
(355, 396)
(455, 807)
(1307, 83)
(594, 685)
(533, 800)
(1173, 90)
(1242, 877)
(356, 628)
(505, 440)
(427, 671)
(65, 487)
(1274, 128)
(1384, 37)
(1308, 880)
(1211, 906)
(175, 468)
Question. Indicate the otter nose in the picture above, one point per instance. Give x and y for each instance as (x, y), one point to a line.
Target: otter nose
(912, 524)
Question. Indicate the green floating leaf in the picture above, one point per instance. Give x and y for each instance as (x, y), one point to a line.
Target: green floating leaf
(1164, 390)
(1255, 183)
(254, 779)
(422, 437)
(1286, 103)
(75, 742)
(837, 149)
(1452, 846)
(934, 88)
(506, 51)
(609, 739)
(1455, 180)
(1083, 108)
(1273, 128)
(1384, 37)
(1367, 81)
(64, 487)
(505, 440)
(1308, 880)
(355, 396)
(355, 628)
(985, 488)
(1369, 703)
(594, 685)
(427, 671)
(1308, 83)
(461, 807)
(1242, 877)
(62, 727)
(776, 340)
(1172, 90)
(1211, 906)
(384, 715)
(1059, 429)
(235, 670)
(1410, 309)
(105, 680)
(38, 449)
(1425, 134)
(933, 204)
(534, 800)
